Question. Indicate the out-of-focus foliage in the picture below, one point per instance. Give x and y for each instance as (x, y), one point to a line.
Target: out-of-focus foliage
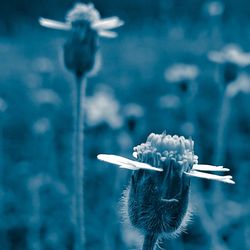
(36, 120)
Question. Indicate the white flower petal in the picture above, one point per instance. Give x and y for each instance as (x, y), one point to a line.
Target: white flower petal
(107, 23)
(113, 159)
(226, 179)
(142, 165)
(48, 23)
(124, 162)
(203, 167)
(135, 155)
(129, 167)
(108, 34)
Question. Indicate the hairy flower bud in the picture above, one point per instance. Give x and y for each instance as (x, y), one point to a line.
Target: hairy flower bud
(82, 44)
(157, 202)
(157, 199)
(84, 25)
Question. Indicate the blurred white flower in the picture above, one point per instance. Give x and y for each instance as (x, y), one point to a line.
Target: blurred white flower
(103, 108)
(43, 65)
(187, 128)
(3, 105)
(214, 8)
(231, 53)
(133, 110)
(41, 126)
(86, 13)
(180, 72)
(169, 101)
(46, 96)
(241, 84)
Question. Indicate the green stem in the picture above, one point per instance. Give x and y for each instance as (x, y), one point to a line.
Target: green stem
(78, 163)
(149, 242)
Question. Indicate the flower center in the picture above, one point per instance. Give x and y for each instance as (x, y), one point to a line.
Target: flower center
(159, 149)
(83, 12)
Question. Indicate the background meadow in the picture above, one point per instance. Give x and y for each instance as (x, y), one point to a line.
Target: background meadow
(130, 97)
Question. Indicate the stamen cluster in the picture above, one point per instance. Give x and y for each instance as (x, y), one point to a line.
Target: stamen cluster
(159, 149)
(83, 12)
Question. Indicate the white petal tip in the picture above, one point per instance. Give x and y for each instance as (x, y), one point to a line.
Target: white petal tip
(135, 155)
(107, 34)
(230, 182)
(100, 157)
(204, 167)
(225, 179)
(52, 24)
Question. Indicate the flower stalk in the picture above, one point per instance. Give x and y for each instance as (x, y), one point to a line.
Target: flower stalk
(84, 26)
(149, 242)
(79, 95)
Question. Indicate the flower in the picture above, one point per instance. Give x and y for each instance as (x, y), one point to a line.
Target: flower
(231, 53)
(41, 126)
(3, 105)
(132, 113)
(214, 8)
(181, 72)
(157, 198)
(241, 84)
(84, 25)
(85, 13)
(103, 107)
(159, 149)
(46, 96)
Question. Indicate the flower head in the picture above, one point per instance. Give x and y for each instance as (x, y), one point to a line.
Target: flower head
(231, 53)
(157, 198)
(103, 108)
(214, 8)
(161, 148)
(3, 105)
(85, 25)
(132, 114)
(181, 72)
(241, 84)
(84, 12)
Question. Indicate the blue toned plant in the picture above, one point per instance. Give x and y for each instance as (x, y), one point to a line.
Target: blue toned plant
(84, 26)
(157, 198)
(232, 60)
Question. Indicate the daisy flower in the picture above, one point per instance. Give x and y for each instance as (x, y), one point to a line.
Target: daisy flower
(156, 201)
(84, 25)
(231, 53)
(85, 13)
(161, 148)
(181, 72)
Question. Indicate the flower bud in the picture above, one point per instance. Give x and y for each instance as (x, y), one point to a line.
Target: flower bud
(82, 44)
(157, 202)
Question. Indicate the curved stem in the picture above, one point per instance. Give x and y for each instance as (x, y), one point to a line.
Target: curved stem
(78, 163)
(149, 242)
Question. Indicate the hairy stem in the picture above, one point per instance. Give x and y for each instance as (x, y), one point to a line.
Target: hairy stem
(78, 163)
(149, 242)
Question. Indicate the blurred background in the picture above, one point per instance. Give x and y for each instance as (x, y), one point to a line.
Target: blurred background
(158, 75)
